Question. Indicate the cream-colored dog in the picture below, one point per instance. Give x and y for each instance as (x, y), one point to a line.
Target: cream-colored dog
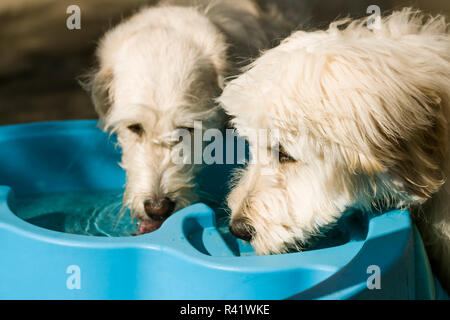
(362, 120)
(159, 71)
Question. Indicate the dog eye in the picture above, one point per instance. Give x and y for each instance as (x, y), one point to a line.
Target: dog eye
(284, 157)
(136, 128)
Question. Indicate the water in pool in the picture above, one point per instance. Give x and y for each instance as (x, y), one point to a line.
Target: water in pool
(94, 213)
(100, 213)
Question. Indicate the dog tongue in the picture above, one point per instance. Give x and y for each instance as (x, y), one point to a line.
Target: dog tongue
(147, 226)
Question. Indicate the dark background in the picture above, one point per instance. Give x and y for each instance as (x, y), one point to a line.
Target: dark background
(40, 59)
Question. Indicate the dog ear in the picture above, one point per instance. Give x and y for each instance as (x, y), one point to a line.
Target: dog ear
(98, 84)
(417, 158)
(424, 156)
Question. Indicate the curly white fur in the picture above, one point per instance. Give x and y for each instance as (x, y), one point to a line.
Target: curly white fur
(364, 115)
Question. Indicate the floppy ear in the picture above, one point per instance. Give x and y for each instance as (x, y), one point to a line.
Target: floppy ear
(416, 157)
(98, 84)
(424, 156)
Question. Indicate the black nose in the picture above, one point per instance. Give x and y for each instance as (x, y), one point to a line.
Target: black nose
(241, 229)
(159, 209)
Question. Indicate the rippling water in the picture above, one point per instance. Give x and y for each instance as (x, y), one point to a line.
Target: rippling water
(100, 213)
(95, 213)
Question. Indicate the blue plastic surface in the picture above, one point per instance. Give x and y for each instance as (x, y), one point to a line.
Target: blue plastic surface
(186, 258)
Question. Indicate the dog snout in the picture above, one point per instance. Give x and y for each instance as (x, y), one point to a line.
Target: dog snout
(159, 209)
(242, 229)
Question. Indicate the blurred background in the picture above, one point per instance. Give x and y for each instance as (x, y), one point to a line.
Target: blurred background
(41, 59)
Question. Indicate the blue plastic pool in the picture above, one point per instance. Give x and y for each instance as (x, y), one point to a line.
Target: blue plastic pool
(189, 257)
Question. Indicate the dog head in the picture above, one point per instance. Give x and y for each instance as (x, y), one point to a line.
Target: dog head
(153, 83)
(361, 120)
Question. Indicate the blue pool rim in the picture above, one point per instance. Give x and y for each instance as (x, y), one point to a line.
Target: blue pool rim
(165, 265)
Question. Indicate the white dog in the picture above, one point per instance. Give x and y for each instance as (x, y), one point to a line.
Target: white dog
(159, 71)
(362, 116)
